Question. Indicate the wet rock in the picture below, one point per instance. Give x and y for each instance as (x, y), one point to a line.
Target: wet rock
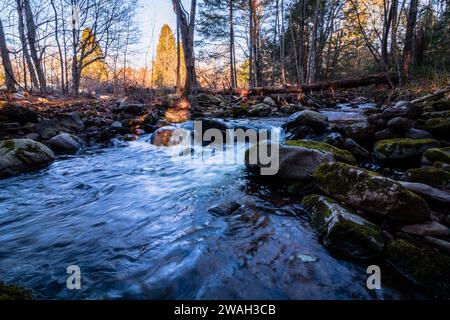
(370, 192)
(315, 120)
(260, 110)
(402, 148)
(360, 132)
(402, 109)
(295, 163)
(269, 101)
(427, 229)
(418, 134)
(334, 138)
(69, 122)
(358, 151)
(22, 155)
(65, 143)
(339, 154)
(343, 231)
(432, 176)
(299, 132)
(433, 195)
(439, 127)
(10, 112)
(13, 293)
(423, 266)
(116, 125)
(225, 209)
(377, 121)
(385, 134)
(440, 244)
(165, 136)
(438, 155)
(400, 124)
(47, 129)
(32, 136)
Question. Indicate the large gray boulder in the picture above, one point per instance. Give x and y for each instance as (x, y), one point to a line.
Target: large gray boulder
(294, 163)
(21, 155)
(65, 143)
(370, 192)
(315, 120)
(343, 231)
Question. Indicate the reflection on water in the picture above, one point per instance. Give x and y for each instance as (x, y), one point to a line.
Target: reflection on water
(137, 224)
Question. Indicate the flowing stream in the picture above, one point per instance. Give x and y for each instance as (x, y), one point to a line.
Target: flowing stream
(137, 224)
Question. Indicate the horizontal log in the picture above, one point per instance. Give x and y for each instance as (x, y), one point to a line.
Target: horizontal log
(372, 79)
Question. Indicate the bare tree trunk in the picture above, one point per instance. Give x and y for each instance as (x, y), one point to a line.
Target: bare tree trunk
(409, 38)
(232, 64)
(312, 59)
(6, 61)
(251, 40)
(301, 51)
(32, 41)
(283, 49)
(24, 42)
(178, 59)
(61, 59)
(187, 30)
(388, 19)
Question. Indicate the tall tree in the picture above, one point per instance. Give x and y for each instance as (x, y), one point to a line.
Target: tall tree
(186, 21)
(409, 37)
(6, 61)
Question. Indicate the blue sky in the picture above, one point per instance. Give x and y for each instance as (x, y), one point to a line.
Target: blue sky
(152, 15)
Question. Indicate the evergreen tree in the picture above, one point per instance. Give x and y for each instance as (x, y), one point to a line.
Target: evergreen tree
(165, 64)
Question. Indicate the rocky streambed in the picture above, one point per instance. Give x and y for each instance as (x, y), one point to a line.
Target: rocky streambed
(358, 185)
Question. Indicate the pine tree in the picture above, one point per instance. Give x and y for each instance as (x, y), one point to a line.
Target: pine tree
(165, 64)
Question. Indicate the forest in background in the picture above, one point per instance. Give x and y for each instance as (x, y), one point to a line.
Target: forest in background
(68, 47)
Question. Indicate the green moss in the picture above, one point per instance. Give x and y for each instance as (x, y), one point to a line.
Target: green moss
(11, 292)
(8, 144)
(318, 210)
(431, 176)
(425, 267)
(439, 126)
(363, 232)
(402, 148)
(339, 154)
(438, 155)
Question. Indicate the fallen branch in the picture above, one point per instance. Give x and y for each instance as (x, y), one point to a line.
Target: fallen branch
(433, 96)
(372, 79)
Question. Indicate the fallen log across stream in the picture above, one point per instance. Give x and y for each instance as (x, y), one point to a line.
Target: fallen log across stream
(372, 79)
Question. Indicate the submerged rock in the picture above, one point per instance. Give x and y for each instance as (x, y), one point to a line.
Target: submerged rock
(394, 149)
(339, 154)
(431, 176)
(438, 155)
(343, 231)
(425, 267)
(370, 192)
(22, 155)
(12, 292)
(65, 142)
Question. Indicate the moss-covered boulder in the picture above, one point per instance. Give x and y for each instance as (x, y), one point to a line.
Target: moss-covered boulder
(439, 127)
(431, 176)
(438, 155)
(394, 149)
(11, 292)
(423, 266)
(343, 231)
(339, 154)
(22, 155)
(370, 192)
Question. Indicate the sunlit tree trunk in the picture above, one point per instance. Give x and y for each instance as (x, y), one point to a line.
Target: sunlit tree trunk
(9, 75)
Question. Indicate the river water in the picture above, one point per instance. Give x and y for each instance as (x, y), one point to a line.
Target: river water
(137, 224)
